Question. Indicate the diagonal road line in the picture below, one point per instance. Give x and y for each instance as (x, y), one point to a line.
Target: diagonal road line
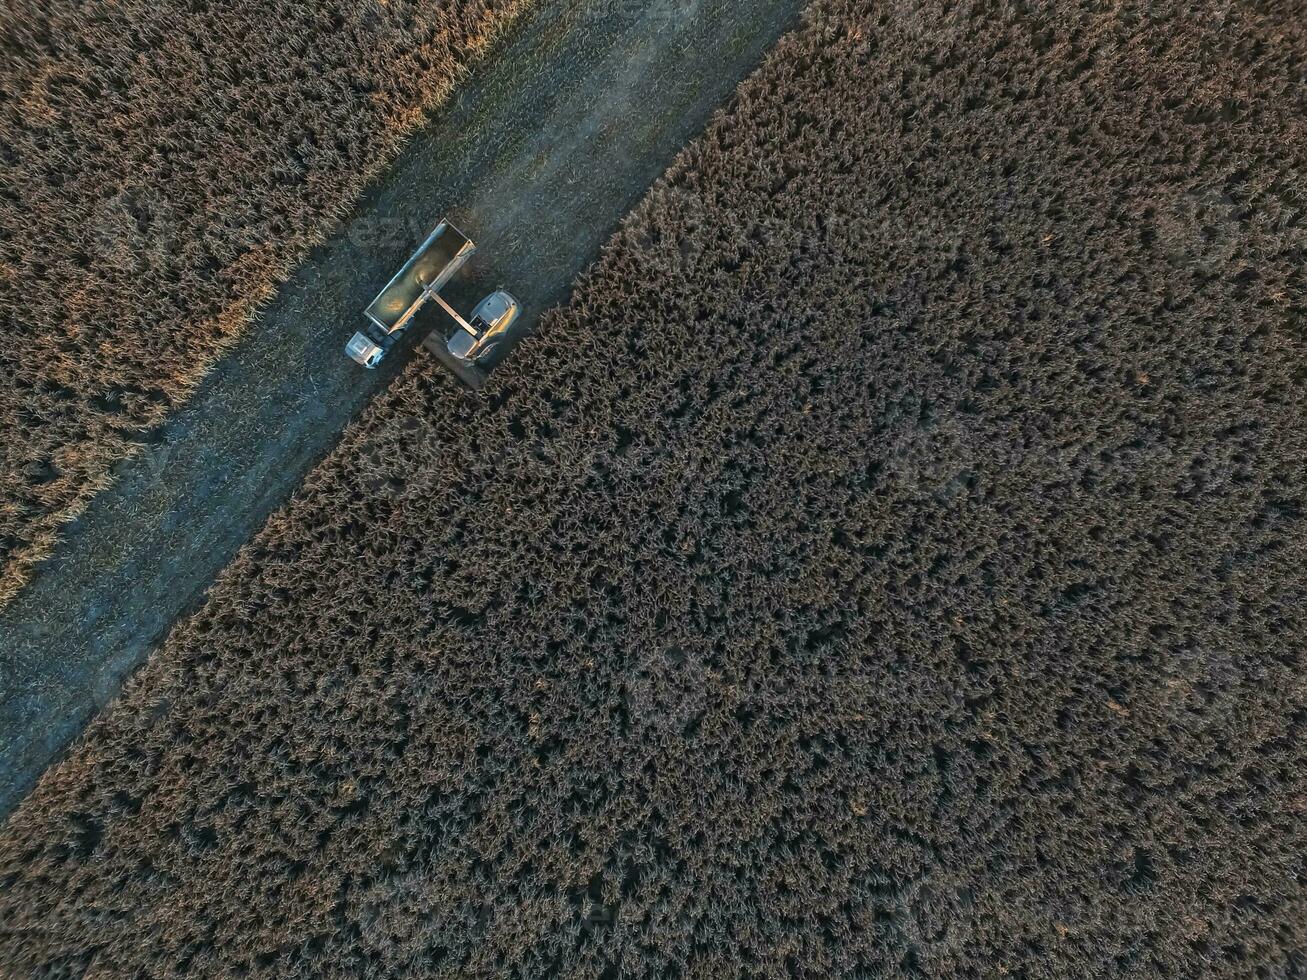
(538, 157)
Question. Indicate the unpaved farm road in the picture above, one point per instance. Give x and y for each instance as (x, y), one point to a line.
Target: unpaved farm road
(550, 142)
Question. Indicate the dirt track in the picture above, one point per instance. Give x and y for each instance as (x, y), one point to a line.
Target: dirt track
(888, 563)
(167, 167)
(538, 159)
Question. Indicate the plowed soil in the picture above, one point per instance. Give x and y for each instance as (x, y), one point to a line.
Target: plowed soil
(890, 563)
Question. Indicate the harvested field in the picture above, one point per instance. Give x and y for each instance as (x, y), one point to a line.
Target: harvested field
(889, 563)
(164, 166)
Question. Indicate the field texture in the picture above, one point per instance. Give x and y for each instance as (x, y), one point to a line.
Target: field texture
(889, 564)
(162, 167)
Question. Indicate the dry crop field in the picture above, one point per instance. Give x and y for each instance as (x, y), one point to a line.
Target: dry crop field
(890, 563)
(163, 166)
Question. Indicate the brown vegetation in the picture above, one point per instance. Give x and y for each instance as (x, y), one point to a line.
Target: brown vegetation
(162, 167)
(890, 563)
